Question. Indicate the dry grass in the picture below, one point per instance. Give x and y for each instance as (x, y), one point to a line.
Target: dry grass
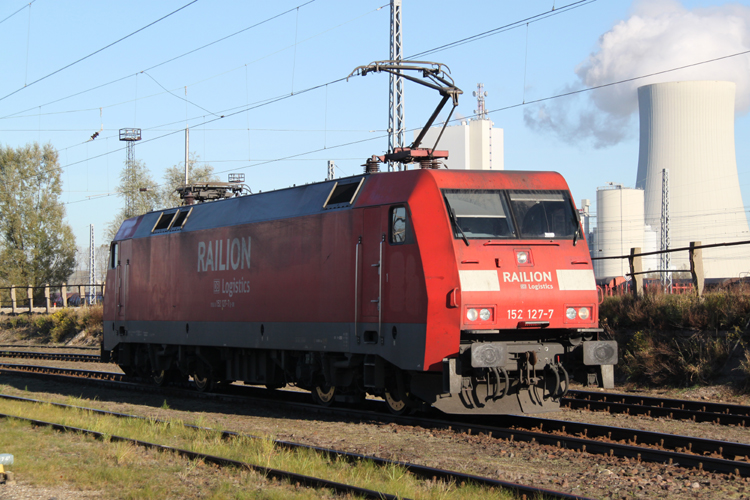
(682, 340)
(58, 326)
(721, 309)
(44, 457)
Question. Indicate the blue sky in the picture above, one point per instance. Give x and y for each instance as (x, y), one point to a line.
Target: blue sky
(320, 42)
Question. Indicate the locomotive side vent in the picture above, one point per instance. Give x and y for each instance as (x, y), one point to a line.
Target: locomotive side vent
(343, 195)
(171, 220)
(165, 220)
(181, 218)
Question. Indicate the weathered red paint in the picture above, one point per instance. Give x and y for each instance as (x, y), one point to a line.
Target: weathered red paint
(302, 269)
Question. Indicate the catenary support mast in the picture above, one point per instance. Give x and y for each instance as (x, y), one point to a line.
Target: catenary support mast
(396, 126)
(666, 275)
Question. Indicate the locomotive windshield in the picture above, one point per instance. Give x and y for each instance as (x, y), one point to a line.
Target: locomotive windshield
(496, 214)
(544, 214)
(479, 214)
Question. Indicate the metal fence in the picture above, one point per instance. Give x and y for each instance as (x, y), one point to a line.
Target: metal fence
(45, 299)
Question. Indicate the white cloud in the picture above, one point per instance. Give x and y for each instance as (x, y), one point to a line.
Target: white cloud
(659, 35)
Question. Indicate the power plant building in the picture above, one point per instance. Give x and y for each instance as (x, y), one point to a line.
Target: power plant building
(473, 144)
(620, 224)
(687, 130)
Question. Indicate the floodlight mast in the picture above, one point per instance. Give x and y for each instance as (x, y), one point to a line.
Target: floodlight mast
(434, 77)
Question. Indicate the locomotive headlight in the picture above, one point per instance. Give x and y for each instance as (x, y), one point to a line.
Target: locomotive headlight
(584, 313)
(472, 314)
(570, 313)
(484, 314)
(522, 257)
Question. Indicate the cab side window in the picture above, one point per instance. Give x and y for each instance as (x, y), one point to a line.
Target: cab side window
(398, 225)
(113, 256)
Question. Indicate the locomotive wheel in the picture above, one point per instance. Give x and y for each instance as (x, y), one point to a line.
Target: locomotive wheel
(160, 378)
(204, 383)
(164, 377)
(396, 405)
(324, 394)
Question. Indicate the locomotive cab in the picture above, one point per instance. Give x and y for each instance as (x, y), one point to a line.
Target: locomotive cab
(525, 296)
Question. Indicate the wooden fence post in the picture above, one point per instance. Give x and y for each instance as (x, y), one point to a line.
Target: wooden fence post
(696, 266)
(46, 298)
(30, 295)
(81, 295)
(13, 299)
(64, 293)
(636, 266)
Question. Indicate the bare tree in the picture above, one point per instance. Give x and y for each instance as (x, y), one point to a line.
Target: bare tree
(174, 177)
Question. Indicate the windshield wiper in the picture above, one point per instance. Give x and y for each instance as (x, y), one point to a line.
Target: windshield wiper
(454, 220)
(577, 233)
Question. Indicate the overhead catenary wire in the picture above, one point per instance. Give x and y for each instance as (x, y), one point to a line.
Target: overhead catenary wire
(297, 8)
(255, 106)
(28, 43)
(501, 29)
(177, 96)
(97, 51)
(497, 110)
(19, 10)
(161, 63)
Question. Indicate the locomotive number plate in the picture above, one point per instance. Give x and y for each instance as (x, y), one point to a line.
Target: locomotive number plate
(530, 314)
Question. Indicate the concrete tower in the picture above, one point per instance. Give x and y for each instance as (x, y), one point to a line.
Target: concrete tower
(619, 214)
(688, 128)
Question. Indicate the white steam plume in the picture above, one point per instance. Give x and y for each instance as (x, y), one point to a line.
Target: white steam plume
(659, 35)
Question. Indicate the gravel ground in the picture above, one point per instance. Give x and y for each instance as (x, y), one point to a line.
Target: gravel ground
(533, 464)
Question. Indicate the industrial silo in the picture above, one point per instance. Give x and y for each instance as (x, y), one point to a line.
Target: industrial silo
(619, 227)
(687, 129)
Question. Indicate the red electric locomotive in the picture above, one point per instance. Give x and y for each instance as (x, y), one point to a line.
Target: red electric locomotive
(463, 290)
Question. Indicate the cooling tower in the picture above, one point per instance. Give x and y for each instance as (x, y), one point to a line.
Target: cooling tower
(688, 128)
(619, 226)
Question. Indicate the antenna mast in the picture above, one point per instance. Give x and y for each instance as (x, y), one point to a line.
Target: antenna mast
(396, 126)
(480, 94)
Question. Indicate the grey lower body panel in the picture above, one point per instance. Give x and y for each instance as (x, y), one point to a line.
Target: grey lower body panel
(403, 344)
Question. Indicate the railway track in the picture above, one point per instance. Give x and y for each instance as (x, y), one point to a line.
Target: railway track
(689, 452)
(675, 409)
(45, 346)
(54, 356)
(697, 411)
(420, 471)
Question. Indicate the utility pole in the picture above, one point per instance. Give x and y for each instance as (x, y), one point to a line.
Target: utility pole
(331, 171)
(92, 264)
(396, 126)
(187, 147)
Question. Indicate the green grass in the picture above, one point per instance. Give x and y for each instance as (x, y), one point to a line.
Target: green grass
(45, 457)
